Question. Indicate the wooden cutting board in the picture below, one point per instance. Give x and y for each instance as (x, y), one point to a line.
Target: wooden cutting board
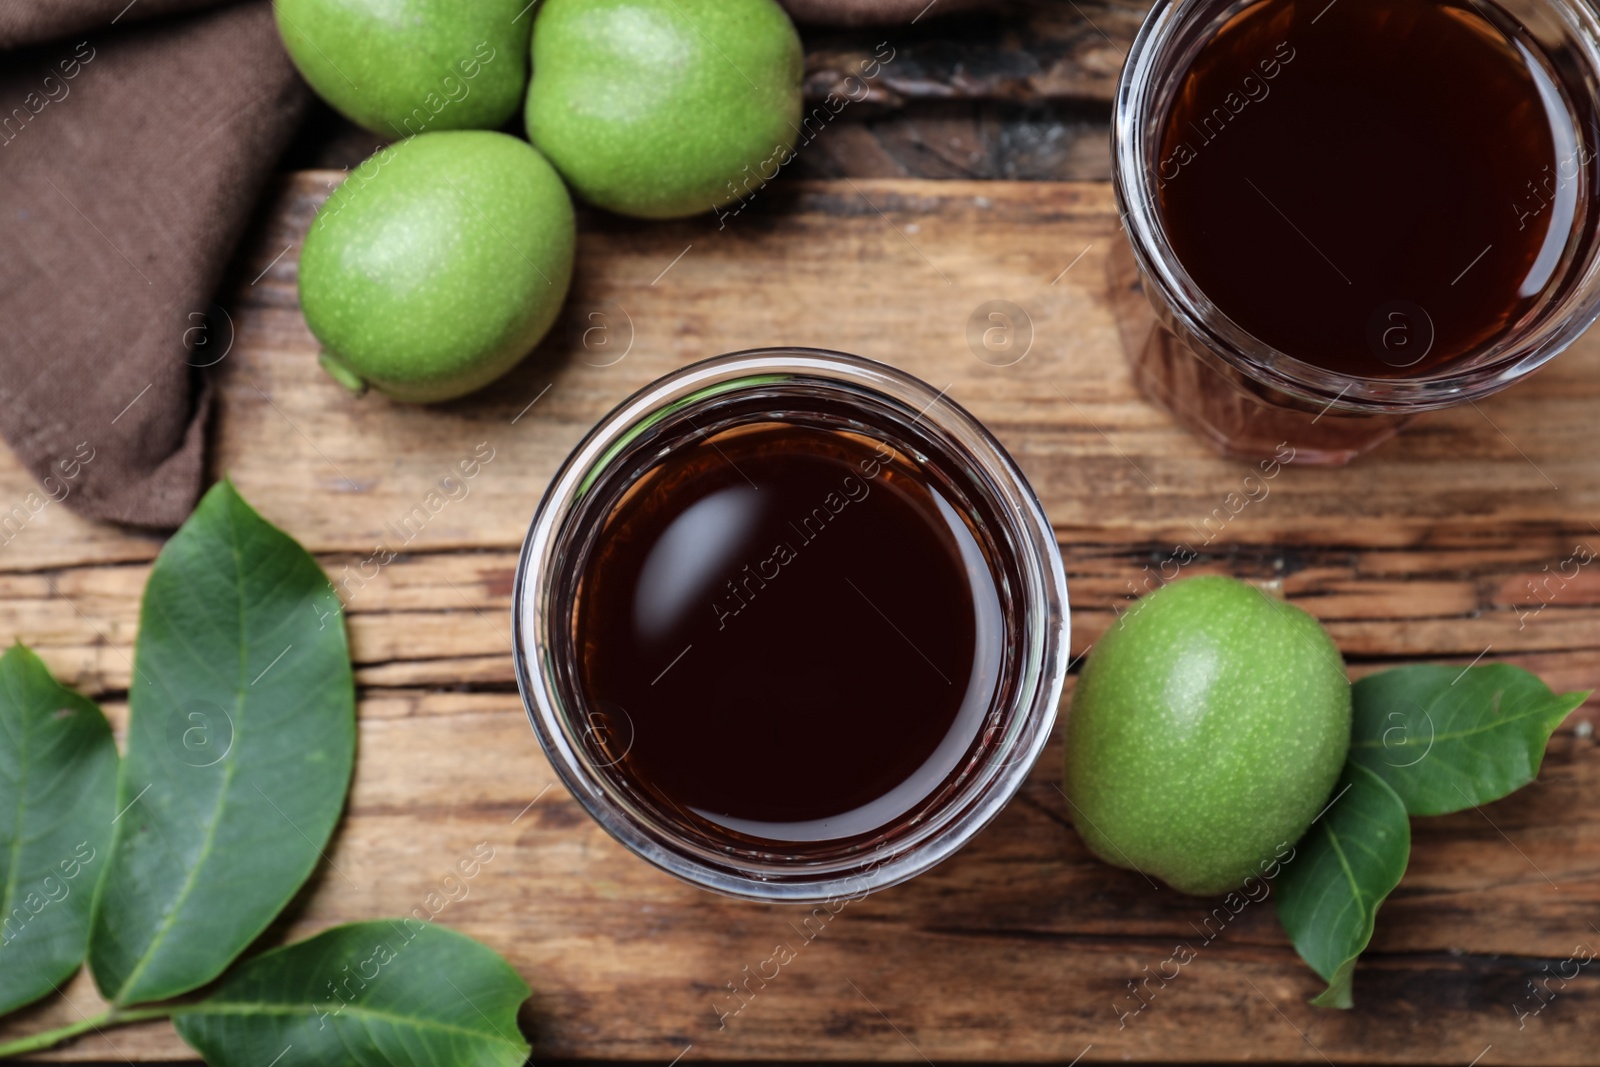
(1022, 946)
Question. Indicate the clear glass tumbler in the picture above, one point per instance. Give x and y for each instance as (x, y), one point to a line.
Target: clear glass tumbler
(585, 744)
(1243, 396)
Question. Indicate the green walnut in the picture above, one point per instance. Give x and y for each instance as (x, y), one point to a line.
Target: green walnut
(1206, 732)
(404, 67)
(438, 264)
(664, 108)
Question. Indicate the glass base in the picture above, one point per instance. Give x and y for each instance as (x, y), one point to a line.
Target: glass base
(1236, 415)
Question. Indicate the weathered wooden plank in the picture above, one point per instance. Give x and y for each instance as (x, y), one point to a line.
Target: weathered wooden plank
(443, 618)
(1027, 51)
(889, 269)
(1018, 948)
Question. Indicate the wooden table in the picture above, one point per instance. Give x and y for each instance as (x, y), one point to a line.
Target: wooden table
(1017, 948)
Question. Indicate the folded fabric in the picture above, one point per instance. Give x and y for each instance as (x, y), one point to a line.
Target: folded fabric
(31, 21)
(131, 156)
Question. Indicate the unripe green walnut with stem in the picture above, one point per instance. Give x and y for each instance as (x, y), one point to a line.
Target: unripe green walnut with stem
(438, 264)
(1207, 730)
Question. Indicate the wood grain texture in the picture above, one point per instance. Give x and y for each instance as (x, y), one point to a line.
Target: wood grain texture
(1021, 947)
(1021, 51)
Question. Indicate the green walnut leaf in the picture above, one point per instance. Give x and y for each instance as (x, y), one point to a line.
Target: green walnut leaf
(398, 992)
(1446, 739)
(1345, 865)
(240, 746)
(58, 776)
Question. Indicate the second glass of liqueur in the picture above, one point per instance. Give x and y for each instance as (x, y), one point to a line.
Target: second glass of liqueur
(1341, 214)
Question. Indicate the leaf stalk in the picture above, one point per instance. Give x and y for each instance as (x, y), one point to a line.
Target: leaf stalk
(109, 1017)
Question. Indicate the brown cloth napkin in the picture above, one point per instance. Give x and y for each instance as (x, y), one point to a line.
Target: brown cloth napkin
(133, 145)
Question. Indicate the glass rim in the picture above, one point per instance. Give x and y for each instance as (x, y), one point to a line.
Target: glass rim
(1042, 662)
(1509, 358)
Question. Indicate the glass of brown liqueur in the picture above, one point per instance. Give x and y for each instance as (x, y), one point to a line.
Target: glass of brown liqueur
(791, 625)
(1343, 213)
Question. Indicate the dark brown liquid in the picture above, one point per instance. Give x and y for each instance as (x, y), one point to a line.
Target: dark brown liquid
(788, 634)
(1378, 187)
